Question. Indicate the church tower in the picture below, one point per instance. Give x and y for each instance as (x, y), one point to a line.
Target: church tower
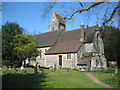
(56, 22)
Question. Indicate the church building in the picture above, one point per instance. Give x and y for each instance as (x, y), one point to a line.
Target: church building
(81, 49)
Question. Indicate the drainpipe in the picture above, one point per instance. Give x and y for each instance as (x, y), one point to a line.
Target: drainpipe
(74, 60)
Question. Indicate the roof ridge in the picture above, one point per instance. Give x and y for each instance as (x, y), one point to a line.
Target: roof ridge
(46, 32)
(64, 31)
(80, 28)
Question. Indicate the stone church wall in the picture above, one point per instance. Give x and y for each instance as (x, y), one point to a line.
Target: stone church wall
(51, 60)
(66, 63)
(69, 63)
(41, 59)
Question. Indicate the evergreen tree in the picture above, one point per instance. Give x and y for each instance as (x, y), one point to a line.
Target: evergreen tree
(111, 38)
(9, 30)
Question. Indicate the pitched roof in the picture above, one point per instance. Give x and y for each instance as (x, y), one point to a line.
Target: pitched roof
(69, 41)
(48, 38)
(89, 32)
(59, 17)
(83, 61)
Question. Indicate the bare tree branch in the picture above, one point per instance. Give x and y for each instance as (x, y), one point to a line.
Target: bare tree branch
(84, 9)
(113, 12)
(81, 4)
(47, 9)
(50, 7)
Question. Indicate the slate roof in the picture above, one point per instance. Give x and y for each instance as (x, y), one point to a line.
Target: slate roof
(61, 41)
(69, 41)
(89, 33)
(83, 61)
(47, 39)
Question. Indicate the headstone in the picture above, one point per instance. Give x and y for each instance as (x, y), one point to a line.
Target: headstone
(51, 68)
(54, 67)
(9, 68)
(116, 70)
(22, 68)
(4, 67)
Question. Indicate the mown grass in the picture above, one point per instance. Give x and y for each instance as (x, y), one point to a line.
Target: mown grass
(19, 79)
(109, 77)
(64, 79)
(46, 78)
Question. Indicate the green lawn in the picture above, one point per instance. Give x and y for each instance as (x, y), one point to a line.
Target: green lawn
(64, 79)
(57, 79)
(109, 77)
(20, 79)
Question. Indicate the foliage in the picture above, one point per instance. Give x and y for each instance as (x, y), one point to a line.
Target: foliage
(9, 30)
(6, 63)
(25, 47)
(111, 38)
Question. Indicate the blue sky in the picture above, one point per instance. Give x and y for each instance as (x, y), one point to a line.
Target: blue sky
(28, 15)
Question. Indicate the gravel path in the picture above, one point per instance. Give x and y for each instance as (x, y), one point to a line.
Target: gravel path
(94, 79)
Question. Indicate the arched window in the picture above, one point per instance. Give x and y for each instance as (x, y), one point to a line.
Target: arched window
(45, 50)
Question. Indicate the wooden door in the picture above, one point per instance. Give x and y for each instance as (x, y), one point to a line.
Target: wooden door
(60, 60)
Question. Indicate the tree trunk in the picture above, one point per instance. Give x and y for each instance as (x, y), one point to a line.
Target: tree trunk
(24, 63)
(118, 64)
(35, 69)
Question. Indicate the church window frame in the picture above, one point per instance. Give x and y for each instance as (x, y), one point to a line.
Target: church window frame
(45, 50)
(40, 54)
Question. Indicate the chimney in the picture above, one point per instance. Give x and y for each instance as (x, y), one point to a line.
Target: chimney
(82, 33)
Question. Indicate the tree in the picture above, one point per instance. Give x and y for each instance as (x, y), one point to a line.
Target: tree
(103, 12)
(25, 47)
(111, 38)
(9, 30)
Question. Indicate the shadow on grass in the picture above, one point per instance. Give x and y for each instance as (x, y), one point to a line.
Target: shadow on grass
(24, 80)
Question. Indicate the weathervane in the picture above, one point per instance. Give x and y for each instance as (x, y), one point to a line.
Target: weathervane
(57, 10)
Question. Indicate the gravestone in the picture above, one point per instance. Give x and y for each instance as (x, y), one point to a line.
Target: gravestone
(51, 68)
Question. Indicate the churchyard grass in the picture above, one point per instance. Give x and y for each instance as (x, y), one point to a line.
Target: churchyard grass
(20, 79)
(56, 79)
(64, 79)
(46, 78)
(109, 77)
